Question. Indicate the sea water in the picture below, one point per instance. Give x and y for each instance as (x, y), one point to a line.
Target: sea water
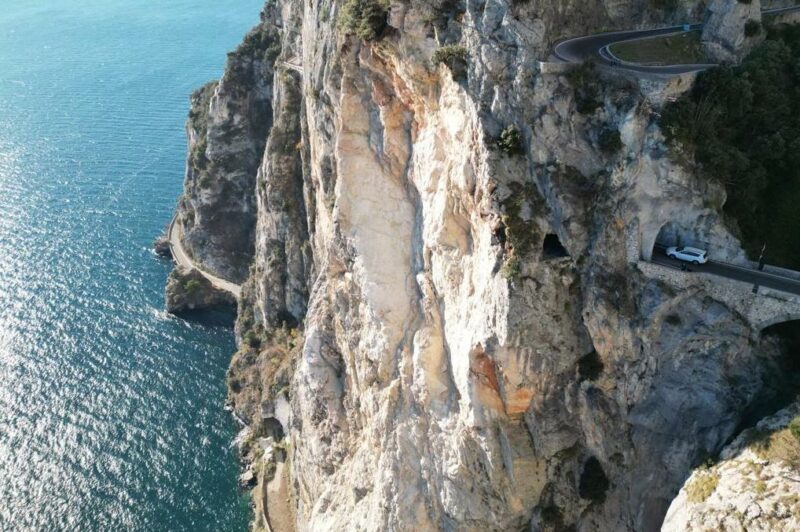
(111, 411)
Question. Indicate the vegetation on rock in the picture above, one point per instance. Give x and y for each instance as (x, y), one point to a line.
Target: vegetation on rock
(782, 445)
(742, 124)
(510, 141)
(198, 120)
(587, 86)
(702, 486)
(365, 19)
(454, 57)
(263, 41)
(752, 28)
(520, 232)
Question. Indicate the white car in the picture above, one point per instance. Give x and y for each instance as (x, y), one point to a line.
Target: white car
(687, 254)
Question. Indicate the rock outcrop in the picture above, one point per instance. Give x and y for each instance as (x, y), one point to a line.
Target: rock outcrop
(190, 290)
(732, 29)
(227, 129)
(444, 297)
(755, 486)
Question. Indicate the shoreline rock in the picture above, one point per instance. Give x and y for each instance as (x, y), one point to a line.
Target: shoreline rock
(189, 290)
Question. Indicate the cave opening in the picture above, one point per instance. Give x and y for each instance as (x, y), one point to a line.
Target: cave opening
(552, 247)
(674, 234)
(593, 483)
(590, 367)
(271, 428)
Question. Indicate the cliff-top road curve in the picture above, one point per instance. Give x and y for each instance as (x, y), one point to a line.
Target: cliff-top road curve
(594, 47)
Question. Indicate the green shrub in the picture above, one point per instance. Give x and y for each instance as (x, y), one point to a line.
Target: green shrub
(587, 86)
(192, 285)
(752, 28)
(454, 57)
(522, 235)
(257, 40)
(794, 428)
(252, 339)
(702, 486)
(365, 19)
(511, 268)
(510, 141)
(197, 156)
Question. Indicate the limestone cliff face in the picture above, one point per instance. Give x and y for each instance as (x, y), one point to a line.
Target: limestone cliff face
(227, 130)
(446, 287)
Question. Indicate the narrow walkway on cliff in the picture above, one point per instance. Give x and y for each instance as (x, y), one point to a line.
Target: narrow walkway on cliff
(596, 47)
(294, 63)
(181, 258)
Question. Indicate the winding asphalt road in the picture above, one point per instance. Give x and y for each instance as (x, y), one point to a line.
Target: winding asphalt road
(181, 258)
(738, 273)
(594, 47)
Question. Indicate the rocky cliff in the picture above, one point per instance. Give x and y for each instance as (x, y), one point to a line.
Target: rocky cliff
(444, 325)
(755, 486)
(227, 131)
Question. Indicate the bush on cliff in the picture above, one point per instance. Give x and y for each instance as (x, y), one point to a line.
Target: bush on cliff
(510, 141)
(587, 86)
(454, 57)
(742, 125)
(365, 19)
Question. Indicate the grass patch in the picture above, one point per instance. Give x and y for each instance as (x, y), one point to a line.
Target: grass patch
(681, 49)
(702, 486)
(781, 445)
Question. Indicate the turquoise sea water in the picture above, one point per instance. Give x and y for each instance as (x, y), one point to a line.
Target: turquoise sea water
(111, 412)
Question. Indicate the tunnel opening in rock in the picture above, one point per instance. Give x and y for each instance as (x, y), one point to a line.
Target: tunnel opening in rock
(272, 428)
(552, 247)
(593, 483)
(675, 234)
(590, 367)
(783, 386)
(670, 234)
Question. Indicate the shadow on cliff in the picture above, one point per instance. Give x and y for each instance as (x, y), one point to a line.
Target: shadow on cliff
(786, 388)
(219, 316)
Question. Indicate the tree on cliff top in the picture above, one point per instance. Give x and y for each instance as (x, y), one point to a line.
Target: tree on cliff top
(743, 126)
(365, 19)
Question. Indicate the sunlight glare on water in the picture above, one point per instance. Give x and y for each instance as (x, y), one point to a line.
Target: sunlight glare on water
(111, 411)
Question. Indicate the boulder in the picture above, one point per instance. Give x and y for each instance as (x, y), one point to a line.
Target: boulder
(725, 36)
